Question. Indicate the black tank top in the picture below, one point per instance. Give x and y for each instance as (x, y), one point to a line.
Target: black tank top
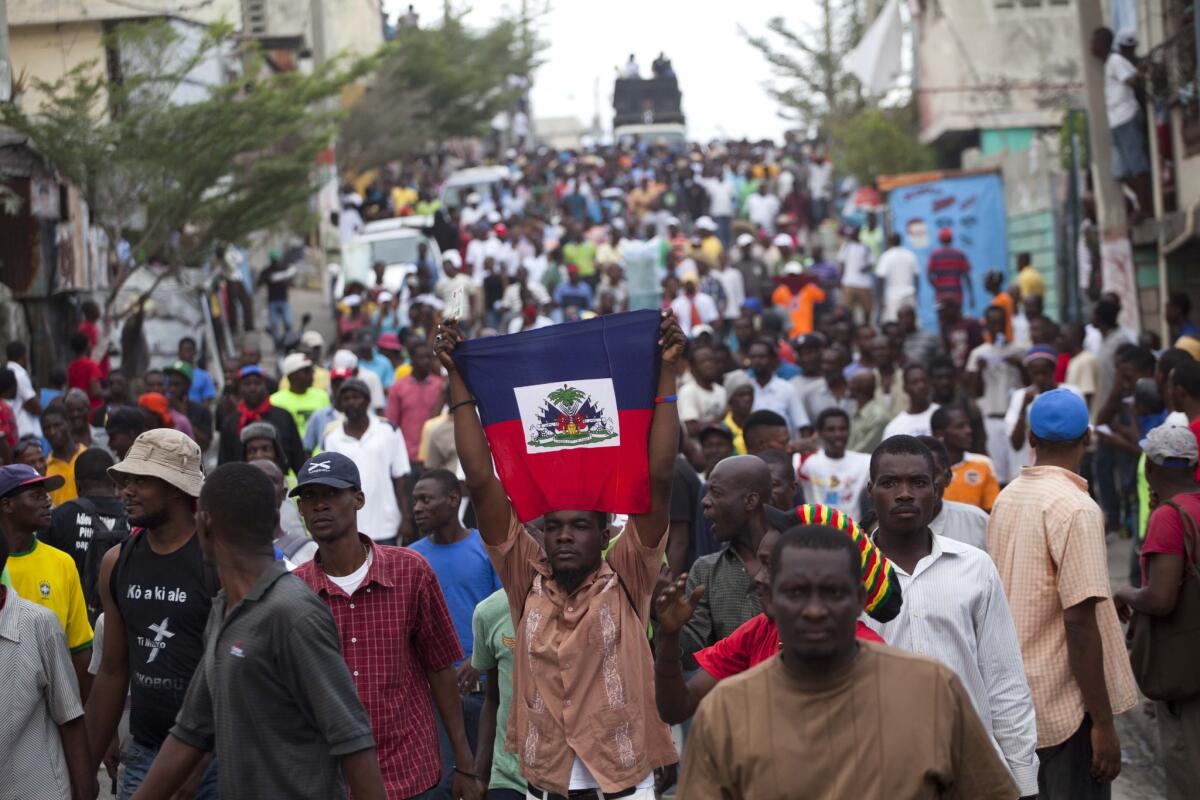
(164, 602)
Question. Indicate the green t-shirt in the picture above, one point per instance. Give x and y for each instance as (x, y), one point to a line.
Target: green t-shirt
(494, 641)
(300, 406)
(583, 255)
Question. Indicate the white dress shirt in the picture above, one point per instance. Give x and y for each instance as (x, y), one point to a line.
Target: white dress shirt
(780, 396)
(963, 522)
(955, 611)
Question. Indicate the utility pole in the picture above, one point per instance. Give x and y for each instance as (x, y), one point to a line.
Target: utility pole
(1116, 252)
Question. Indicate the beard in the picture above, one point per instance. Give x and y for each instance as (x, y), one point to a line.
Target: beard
(570, 578)
(152, 519)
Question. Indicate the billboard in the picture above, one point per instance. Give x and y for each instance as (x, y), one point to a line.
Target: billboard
(972, 207)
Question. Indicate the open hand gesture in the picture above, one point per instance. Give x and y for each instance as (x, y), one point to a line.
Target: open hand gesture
(675, 606)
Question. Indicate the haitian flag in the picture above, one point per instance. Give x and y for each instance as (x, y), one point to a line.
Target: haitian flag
(567, 411)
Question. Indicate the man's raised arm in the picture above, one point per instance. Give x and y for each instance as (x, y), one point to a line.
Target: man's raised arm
(492, 507)
(664, 435)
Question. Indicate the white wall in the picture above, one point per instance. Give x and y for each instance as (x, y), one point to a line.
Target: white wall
(996, 64)
(31, 12)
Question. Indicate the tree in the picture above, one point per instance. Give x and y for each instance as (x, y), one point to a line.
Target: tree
(878, 141)
(171, 166)
(435, 83)
(865, 139)
(811, 63)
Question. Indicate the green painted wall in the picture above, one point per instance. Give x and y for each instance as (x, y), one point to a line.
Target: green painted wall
(1034, 234)
(1014, 140)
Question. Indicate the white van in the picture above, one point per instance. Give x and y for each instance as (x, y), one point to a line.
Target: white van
(479, 180)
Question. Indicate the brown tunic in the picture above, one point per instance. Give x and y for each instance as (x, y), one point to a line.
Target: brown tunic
(896, 725)
(583, 681)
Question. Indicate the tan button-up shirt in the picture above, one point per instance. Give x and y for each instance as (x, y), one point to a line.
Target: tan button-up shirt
(1047, 538)
(583, 682)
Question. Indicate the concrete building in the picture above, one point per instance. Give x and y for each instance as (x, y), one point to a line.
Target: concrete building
(48, 38)
(1167, 246)
(994, 79)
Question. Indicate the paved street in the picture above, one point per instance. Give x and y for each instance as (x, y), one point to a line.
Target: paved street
(1141, 776)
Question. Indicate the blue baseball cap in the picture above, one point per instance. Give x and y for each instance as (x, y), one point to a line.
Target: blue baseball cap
(328, 469)
(250, 369)
(1058, 415)
(16, 477)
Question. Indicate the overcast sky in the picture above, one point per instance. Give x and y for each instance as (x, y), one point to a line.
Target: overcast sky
(720, 75)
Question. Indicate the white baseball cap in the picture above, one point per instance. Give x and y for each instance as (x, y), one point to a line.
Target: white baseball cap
(344, 359)
(294, 362)
(312, 339)
(783, 240)
(745, 240)
(706, 224)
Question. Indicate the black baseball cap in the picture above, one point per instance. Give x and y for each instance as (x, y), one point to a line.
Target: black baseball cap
(328, 469)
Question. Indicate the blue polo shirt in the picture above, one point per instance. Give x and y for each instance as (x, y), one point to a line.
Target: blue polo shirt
(466, 576)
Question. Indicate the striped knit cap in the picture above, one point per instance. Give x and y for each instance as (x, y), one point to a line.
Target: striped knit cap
(879, 580)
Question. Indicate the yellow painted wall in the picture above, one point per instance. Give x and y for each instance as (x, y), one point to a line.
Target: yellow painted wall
(48, 52)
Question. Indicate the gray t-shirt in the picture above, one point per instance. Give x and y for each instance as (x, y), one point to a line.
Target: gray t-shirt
(272, 695)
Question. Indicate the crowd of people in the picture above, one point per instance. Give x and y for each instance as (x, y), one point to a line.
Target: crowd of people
(874, 560)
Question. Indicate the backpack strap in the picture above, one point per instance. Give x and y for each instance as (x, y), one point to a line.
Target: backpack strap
(1191, 533)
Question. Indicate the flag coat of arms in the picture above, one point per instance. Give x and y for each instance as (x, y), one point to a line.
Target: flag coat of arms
(567, 411)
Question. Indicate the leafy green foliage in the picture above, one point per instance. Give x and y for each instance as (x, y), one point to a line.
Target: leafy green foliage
(878, 141)
(435, 83)
(172, 178)
(566, 397)
(809, 64)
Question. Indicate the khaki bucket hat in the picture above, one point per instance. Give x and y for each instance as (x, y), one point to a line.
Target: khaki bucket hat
(166, 454)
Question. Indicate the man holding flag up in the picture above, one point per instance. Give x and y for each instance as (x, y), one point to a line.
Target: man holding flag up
(568, 424)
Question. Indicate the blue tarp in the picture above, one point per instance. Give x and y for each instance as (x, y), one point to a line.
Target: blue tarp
(970, 206)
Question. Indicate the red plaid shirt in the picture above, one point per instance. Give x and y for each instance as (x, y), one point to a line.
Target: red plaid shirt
(395, 629)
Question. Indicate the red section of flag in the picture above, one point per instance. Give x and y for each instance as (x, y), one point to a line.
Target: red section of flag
(613, 479)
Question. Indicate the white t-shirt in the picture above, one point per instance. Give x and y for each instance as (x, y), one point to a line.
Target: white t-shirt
(1000, 378)
(502, 254)
(820, 180)
(27, 424)
(515, 324)
(1118, 95)
(350, 583)
(381, 456)
(681, 307)
(735, 291)
(762, 209)
(836, 482)
(856, 263)
(698, 403)
(911, 424)
(898, 267)
(720, 197)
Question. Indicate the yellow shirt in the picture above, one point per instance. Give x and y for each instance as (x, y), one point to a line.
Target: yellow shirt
(739, 441)
(1030, 282)
(47, 576)
(66, 469)
(974, 482)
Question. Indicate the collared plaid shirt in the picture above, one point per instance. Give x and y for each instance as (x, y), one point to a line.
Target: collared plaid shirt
(1046, 535)
(394, 629)
(729, 599)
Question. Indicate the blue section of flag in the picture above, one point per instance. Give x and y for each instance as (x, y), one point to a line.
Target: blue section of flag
(623, 347)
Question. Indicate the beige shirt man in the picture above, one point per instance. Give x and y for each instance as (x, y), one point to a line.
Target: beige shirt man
(1046, 535)
(895, 725)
